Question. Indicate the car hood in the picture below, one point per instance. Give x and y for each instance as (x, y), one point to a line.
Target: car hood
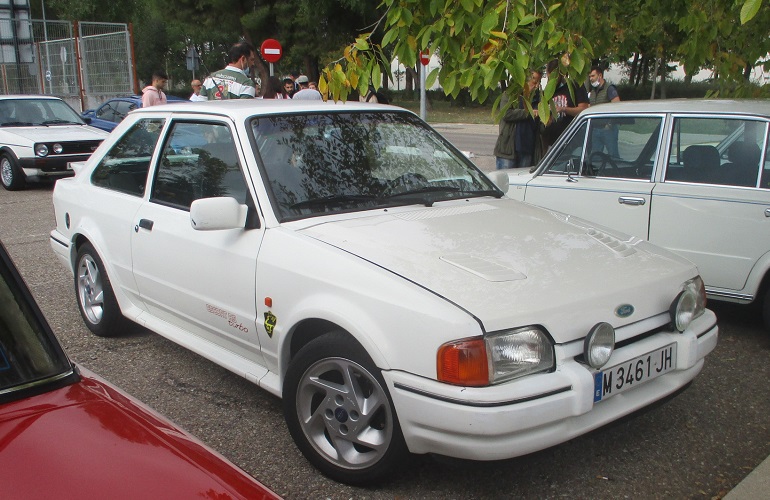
(25, 136)
(92, 441)
(512, 264)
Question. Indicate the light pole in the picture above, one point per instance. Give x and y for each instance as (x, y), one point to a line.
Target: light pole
(47, 54)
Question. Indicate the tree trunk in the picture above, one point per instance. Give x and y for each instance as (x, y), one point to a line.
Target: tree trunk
(311, 68)
(663, 81)
(654, 78)
(747, 72)
(634, 70)
(411, 76)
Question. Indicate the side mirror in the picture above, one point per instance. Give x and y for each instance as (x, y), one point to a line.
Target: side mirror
(211, 214)
(500, 179)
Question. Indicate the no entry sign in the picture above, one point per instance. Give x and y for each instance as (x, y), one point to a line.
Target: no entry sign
(425, 57)
(271, 50)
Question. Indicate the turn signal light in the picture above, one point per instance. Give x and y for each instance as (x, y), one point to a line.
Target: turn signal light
(464, 362)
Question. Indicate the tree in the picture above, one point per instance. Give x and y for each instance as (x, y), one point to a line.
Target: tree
(481, 43)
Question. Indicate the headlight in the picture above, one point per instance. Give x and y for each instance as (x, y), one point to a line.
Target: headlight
(495, 358)
(58, 148)
(41, 149)
(689, 304)
(599, 344)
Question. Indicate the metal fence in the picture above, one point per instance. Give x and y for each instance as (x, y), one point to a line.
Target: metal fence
(84, 63)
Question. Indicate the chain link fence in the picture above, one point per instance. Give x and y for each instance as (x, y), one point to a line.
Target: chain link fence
(84, 63)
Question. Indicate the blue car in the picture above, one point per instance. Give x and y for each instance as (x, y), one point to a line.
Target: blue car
(111, 112)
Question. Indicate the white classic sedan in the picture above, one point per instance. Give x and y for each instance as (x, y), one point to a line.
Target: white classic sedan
(39, 136)
(347, 258)
(692, 176)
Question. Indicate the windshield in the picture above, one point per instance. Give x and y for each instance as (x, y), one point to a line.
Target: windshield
(29, 355)
(316, 164)
(37, 112)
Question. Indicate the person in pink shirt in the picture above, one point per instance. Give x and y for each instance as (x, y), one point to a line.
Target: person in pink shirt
(153, 94)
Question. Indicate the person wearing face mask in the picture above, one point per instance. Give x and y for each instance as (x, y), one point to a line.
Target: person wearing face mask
(602, 92)
(233, 82)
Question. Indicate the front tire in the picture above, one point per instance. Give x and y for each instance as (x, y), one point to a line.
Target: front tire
(766, 309)
(96, 300)
(11, 176)
(339, 411)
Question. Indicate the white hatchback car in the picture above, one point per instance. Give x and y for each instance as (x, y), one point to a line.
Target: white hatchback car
(692, 176)
(348, 259)
(39, 136)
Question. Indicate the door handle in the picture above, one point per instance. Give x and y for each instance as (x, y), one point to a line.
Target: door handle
(767, 212)
(144, 224)
(628, 200)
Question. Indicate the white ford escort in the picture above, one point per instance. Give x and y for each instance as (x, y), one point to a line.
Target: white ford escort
(350, 260)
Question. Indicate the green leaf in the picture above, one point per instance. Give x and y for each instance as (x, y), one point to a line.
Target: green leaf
(390, 35)
(431, 78)
(489, 22)
(749, 10)
(550, 88)
(362, 44)
(467, 5)
(527, 20)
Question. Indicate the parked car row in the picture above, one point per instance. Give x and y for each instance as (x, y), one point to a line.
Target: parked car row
(39, 137)
(350, 260)
(692, 176)
(112, 111)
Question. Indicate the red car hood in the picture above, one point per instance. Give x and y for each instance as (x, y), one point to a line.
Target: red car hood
(89, 440)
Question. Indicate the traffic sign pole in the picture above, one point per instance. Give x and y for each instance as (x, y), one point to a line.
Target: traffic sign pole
(424, 59)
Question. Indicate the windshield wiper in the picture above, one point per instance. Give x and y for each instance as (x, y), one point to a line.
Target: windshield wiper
(333, 199)
(424, 190)
(61, 122)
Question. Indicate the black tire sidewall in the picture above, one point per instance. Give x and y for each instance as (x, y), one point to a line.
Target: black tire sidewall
(112, 323)
(338, 344)
(18, 181)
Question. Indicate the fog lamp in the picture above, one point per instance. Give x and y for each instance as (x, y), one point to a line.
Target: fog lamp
(599, 344)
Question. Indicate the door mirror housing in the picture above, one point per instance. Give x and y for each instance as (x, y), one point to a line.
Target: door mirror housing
(212, 214)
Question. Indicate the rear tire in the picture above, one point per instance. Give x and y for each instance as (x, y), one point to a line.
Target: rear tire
(339, 411)
(11, 176)
(766, 309)
(96, 300)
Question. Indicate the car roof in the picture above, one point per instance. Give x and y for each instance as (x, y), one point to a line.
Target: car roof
(13, 97)
(243, 108)
(722, 106)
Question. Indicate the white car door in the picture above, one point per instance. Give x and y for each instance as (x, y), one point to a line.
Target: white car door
(603, 173)
(202, 282)
(710, 207)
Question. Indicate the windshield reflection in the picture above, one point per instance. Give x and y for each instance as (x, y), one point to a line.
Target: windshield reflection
(318, 164)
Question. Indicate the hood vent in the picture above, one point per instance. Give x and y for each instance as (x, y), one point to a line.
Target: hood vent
(612, 243)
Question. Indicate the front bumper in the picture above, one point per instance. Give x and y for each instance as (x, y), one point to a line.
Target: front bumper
(50, 166)
(542, 410)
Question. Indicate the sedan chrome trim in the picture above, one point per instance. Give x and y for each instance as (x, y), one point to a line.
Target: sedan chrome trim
(36, 383)
(628, 200)
(743, 297)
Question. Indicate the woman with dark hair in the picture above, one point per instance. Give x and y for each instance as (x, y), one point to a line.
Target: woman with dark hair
(274, 89)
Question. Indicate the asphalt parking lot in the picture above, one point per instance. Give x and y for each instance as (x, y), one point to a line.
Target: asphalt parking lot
(698, 445)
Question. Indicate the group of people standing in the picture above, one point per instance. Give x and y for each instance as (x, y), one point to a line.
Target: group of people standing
(523, 138)
(234, 82)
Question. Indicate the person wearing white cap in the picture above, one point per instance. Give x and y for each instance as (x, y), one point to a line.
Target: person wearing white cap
(305, 92)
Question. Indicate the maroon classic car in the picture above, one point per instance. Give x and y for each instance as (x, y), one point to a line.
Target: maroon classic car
(66, 433)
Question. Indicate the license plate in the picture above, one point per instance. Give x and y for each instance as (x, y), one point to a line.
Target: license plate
(634, 372)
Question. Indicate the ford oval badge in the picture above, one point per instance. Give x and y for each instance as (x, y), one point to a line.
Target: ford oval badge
(624, 311)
